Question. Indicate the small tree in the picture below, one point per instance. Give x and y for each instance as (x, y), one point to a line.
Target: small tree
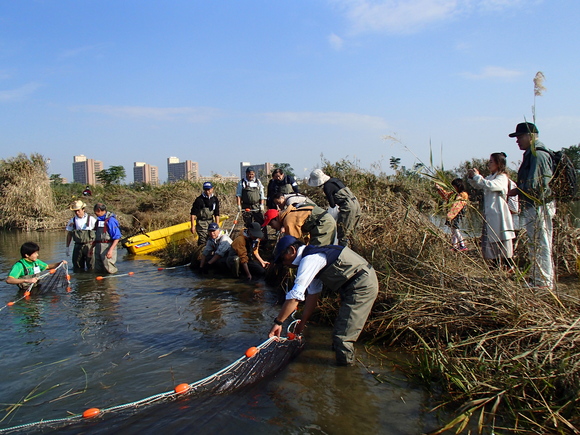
(56, 179)
(288, 170)
(573, 153)
(113, 175)
(394, 163)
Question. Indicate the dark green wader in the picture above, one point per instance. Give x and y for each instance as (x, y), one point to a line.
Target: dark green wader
(358, 286)
(82, 244)
(202, 221)
(320, 225)
(348, 215)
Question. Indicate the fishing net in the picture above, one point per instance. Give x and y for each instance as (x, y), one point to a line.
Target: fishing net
(48, 280)
(258, 363)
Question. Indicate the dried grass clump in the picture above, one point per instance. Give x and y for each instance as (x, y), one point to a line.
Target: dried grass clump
(26, 198)
(506, 356)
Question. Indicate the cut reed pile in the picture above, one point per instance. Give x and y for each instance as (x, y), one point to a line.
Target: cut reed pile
(504, 355)
(26, 198)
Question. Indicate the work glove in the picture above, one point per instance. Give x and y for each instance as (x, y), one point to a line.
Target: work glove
(68, 251)
(262, 208)
(239, 207)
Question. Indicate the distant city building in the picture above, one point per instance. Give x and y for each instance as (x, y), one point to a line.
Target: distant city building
(84, 170)
(145, 173)
(177, 170)
(262, 171)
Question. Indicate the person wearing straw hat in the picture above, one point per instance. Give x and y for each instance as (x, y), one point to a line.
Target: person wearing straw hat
(80, 229)
(204, 210)
(337, 194)
(247, 255)
(340, 269)
(107, 236)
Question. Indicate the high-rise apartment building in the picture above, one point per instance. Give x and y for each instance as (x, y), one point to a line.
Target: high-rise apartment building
(145, 173)
(84, 170)
(177, 170)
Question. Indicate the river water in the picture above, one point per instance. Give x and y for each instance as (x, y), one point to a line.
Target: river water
(121, 339)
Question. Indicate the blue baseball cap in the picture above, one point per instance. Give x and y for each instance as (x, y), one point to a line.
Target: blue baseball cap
(283, 244)
(213, 226)
(207, 185)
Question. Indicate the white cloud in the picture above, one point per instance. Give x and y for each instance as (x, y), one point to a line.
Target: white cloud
(350, 120)
(74, 52)
(409, 16)
(189, 114)
(19, 93)
(335, 41)
(493, 72)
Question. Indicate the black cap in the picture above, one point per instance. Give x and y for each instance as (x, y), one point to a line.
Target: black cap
(524, 128)
(283, 244)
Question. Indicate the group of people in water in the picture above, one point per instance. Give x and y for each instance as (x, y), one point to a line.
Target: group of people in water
(311, 239)
(316, 241)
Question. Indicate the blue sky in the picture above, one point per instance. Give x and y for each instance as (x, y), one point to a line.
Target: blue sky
(220, 82)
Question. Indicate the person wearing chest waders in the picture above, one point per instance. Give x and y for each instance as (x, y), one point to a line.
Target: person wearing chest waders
(81, 230)
(204, 210)
(217, 250)
(340, 269)
(280, 183)
(107, 236)
(247, 253)
(24, 270)
(305, 221)
(337, 194)
(250, 196)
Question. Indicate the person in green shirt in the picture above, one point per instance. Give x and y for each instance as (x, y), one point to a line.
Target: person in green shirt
(29, 265)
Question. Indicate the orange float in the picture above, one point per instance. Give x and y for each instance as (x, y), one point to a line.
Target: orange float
(99, 278)
(131, 273)
(10, 304)
(91, 412)
(182, 388)
(52, 271)
(291, 336)
(251, 351)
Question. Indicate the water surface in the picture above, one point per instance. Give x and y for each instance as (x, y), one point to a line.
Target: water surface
(121, 339)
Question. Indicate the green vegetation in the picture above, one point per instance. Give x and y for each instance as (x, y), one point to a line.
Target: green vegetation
(113, 175)
(503, 356)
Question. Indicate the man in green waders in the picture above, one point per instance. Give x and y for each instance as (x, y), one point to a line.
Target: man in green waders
(250, 195)
(337, 194)
(342, 270)
(204, 210)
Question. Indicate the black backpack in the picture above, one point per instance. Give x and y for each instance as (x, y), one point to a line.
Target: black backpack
(563, 184)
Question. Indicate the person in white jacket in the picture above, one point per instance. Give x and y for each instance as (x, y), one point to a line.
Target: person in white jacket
(498, 227)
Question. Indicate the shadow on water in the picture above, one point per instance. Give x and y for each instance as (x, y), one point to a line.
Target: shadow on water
(124, 338)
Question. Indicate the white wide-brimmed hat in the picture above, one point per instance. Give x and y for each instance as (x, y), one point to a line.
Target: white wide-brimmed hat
(317, 178)
(77, 205)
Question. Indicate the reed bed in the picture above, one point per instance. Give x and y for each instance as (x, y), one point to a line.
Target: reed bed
(26, 198)
(503, 355)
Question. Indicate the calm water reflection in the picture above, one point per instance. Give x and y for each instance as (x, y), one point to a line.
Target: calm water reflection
(122, 339)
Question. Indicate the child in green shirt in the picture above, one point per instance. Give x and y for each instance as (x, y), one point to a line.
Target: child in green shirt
(23, 270)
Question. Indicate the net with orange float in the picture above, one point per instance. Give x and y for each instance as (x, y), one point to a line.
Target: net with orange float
(159, 269)
(47, 281)
(257, 363)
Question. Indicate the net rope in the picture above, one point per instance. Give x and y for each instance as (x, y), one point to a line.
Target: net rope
(259, 362)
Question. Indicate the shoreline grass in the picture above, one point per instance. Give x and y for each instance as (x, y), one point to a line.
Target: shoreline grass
(501, 356)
